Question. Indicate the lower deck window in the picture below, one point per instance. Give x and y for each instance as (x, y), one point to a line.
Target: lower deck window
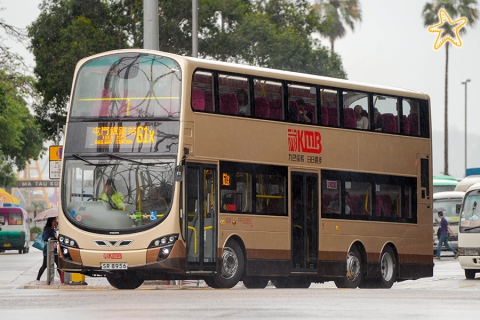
(256, 189)
(368, 197)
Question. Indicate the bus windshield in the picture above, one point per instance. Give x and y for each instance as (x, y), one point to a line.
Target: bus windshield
(470, 215)
(132, 85)
(450, 206)
(117, 193)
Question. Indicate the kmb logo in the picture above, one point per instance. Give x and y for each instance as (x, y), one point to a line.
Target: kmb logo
(112, 256)
(304, 141)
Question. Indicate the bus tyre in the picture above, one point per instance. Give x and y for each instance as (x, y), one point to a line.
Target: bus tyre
(353, 277)
(388, 268)
(255, 282)
(470, 274)
(231, 267)
(211, 283)
(125, 281)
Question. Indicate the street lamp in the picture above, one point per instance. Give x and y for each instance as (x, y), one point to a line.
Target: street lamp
(465, 83)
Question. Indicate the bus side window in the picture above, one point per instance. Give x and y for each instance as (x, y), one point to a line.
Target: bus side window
(202, 93)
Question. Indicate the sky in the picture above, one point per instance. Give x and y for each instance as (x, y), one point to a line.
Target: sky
(391, 47)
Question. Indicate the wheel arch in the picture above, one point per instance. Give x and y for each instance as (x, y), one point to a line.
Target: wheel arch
(392, 246)
(239, 241)
(363, 253)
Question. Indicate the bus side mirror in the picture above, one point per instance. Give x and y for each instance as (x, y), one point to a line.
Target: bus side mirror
(178, 173)
(457, 208)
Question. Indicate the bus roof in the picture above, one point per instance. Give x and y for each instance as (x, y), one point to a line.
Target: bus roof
(287, 75)
(448, 195)
(467, 182)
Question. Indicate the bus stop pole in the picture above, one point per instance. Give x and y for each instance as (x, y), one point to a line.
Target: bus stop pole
(50, 261)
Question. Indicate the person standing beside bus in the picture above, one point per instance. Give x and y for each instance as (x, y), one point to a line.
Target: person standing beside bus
(362, 121)
(444, 229)
(48, 233)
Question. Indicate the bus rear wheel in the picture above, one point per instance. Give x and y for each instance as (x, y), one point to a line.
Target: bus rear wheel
(231, 268)
(255, 282)
(388, 268)
(125, 281)
(353, 277)
(470, 274)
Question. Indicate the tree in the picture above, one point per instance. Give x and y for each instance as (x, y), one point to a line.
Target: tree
(454, 8)
(21, 139)
(65, 32)
(339, 12)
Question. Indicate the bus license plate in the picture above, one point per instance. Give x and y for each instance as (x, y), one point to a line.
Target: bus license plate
(7, 244)
(115, 266)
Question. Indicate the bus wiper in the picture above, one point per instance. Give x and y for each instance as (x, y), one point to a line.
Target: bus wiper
(111, 155)
(468, 229)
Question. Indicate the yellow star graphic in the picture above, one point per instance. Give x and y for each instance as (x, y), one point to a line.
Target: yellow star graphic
(447, 30)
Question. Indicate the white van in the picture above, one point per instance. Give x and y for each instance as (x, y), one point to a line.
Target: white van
(14, 229)
(469, 232)
(451, 202)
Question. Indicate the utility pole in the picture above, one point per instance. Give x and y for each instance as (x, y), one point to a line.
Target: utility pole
(150, 24)
(195, 28)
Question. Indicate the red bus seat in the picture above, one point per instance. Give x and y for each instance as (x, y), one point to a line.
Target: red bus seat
(198, 99)
(262, 108)
(276, 111)
(389, 123)
(349, 118)
(228, 103)
(324, 115)
(333, 116)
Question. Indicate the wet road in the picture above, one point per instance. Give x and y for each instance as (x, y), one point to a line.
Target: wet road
(447, 294)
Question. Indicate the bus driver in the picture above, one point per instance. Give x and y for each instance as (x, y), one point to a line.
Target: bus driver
(111, 195)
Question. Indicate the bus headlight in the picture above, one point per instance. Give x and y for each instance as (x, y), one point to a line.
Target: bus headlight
(164, 241)
(471, 251)
(65, 241)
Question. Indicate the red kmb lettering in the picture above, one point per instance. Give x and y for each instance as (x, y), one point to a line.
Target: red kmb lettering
(304, 141)
(112, 256)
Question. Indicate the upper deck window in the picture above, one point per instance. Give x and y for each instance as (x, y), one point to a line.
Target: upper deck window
(128, 85)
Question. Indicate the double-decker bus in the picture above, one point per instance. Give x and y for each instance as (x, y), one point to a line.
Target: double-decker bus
(168, 173)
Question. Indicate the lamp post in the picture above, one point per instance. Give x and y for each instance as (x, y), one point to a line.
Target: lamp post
(465, 83)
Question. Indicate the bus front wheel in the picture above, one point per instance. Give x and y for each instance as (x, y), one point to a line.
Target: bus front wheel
(232, 266)
(470, 274)
(125, 281)
(353, 277)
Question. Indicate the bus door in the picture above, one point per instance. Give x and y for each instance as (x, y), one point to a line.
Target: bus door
(201, 217)
(304, 210)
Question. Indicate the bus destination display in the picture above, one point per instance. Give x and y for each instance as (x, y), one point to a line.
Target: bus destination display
(122, 135)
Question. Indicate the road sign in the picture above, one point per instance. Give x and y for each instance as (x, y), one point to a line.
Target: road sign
(36, 184)
(56, 155)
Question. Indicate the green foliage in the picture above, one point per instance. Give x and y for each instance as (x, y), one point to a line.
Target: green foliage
(338, 13)
(36, 230)
(22, 139)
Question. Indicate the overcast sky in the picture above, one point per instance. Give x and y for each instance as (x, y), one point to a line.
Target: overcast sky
(390, 47)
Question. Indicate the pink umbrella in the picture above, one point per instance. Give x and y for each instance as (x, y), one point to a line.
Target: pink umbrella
(44, 215)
